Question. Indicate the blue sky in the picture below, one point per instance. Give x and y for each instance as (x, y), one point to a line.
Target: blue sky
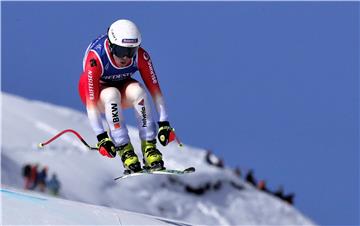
(271, 86)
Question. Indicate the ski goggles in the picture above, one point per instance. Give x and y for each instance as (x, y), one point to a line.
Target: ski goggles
(121, 51)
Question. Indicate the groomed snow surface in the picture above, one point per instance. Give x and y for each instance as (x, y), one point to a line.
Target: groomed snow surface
(28, 208)
(96, 199)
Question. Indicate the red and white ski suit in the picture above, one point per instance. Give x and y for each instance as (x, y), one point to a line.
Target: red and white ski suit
(107, 88)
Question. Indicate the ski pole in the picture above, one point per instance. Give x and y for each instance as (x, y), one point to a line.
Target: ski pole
(177, 138)
(67, 131)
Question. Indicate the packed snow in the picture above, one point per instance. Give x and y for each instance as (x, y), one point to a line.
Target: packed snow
(87, 177)
(39, 209)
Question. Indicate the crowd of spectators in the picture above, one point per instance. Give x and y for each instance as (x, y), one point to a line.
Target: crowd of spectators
(36, 178)
(214, 160)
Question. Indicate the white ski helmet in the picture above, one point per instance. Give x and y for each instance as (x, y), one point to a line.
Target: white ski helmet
(124, 38)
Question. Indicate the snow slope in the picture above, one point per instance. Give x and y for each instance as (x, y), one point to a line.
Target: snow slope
(64, 212)
(87, 176)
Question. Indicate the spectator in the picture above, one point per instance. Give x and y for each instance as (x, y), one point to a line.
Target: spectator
(250, 178)
(212, 159)
(34, 176)
(279, 192)
(262, 186)
(54, 185)
(26, 172)
(287, 198)
(42, 179)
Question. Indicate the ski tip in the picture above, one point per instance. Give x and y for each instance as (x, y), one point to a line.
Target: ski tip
(40, 145)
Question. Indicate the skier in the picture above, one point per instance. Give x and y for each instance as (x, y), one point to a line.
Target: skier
(106, 86)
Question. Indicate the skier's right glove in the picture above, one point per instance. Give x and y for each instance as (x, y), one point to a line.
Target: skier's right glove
(105, 146)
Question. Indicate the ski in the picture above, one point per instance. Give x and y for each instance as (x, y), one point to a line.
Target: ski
(163, 171)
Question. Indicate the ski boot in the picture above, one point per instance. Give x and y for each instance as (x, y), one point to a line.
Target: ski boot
(152, 156)
(129, 158)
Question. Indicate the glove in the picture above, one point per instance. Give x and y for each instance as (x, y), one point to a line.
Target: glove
(105, 146)
(165, 134)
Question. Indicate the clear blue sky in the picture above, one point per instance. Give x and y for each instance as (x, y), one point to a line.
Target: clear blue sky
(271, 86)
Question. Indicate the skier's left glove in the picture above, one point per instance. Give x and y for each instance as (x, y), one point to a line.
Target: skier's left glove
(166, 133)
(105, 146)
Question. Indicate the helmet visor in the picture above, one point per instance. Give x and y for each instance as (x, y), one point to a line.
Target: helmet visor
(121, 51)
